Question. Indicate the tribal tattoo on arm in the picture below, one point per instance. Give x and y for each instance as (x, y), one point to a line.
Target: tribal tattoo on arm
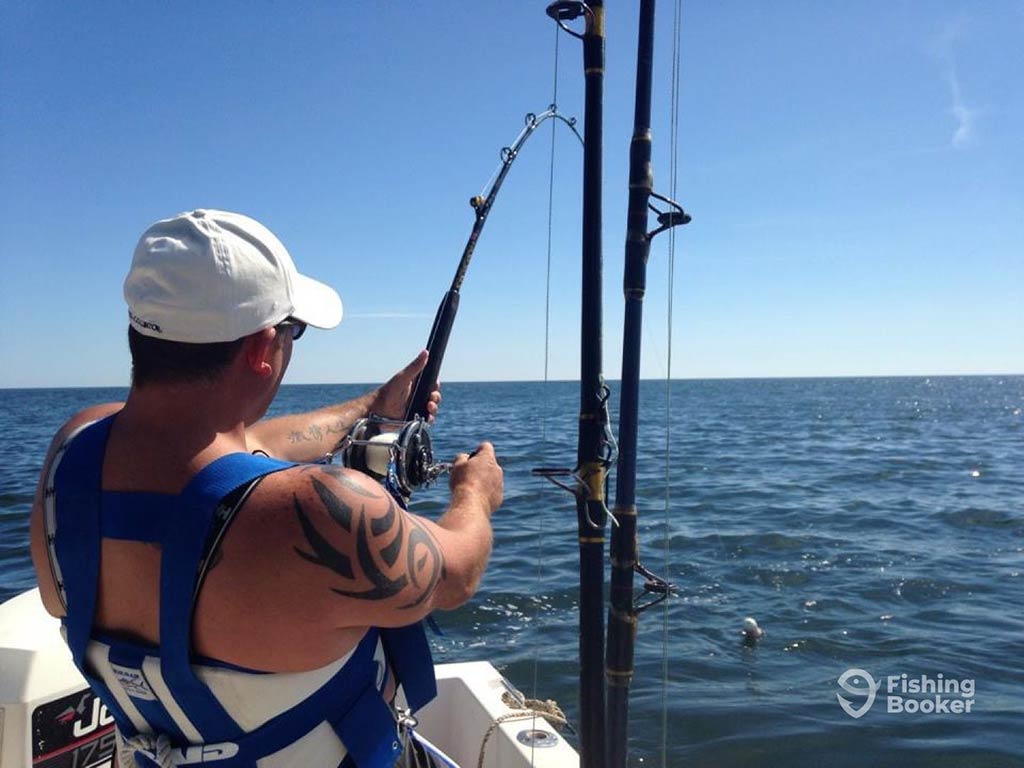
(380, 541)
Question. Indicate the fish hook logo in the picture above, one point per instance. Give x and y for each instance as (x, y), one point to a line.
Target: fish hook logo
(849, 682)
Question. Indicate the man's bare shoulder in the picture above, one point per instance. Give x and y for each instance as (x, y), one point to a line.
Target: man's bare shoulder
(290, 506)
(340, 539)
(82, 418)
(40, 559)
(315, 485)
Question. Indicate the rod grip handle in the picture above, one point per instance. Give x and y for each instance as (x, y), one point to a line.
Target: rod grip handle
(436, 345)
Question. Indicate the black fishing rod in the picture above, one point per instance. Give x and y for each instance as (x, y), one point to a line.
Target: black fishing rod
(449, 306)
(399, 453)
(596, 446)
(623, 613)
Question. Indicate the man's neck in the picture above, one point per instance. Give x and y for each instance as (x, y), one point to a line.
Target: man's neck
(189, 423)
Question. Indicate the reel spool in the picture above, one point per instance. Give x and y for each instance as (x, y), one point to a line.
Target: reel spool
(399, 454)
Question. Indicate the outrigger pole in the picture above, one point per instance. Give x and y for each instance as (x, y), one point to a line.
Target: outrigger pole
(596, 446)
(623, 613)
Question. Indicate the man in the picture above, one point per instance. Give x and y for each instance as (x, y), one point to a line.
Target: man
(230, 607)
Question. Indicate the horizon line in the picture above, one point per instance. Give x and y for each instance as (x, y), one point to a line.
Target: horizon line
(565, 381)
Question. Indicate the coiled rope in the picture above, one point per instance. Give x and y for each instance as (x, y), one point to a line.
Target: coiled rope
(525, 709)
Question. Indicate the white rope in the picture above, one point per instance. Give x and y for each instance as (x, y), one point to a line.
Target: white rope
(155, 750)
(530, 709)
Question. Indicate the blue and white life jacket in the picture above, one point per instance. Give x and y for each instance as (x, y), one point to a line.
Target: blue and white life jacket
(172, 708)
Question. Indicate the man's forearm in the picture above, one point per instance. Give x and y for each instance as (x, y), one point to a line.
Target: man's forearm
(468, 549)
(308, 436)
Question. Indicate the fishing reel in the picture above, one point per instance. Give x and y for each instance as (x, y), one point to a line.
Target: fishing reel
(399, 454)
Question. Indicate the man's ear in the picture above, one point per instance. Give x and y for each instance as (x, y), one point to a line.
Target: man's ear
(259, 352)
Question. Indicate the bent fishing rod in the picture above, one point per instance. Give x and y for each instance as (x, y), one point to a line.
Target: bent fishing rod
(397, 452)
(437, 343)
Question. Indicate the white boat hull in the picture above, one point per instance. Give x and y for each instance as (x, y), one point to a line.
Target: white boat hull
(50, 719)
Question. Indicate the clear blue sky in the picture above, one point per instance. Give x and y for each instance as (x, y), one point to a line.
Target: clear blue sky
(855, 172)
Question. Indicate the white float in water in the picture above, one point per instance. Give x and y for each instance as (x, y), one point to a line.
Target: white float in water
(751, 631)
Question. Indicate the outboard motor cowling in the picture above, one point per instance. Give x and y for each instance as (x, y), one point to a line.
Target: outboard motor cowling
(49, 718)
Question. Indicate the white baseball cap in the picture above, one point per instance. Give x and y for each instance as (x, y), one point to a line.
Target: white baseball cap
(211, 276)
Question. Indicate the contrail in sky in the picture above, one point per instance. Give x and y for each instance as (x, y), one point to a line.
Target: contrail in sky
(386, 315)
(944, 44)
(963, 114)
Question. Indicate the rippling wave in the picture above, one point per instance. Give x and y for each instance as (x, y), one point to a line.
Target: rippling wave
(872, 523)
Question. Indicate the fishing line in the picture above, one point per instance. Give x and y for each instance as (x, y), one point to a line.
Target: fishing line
(667, 538)
(551, 202)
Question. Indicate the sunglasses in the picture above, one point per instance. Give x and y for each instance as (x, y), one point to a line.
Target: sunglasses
(297, 327)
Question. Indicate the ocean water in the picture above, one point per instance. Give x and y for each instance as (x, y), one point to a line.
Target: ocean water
(872, 523)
